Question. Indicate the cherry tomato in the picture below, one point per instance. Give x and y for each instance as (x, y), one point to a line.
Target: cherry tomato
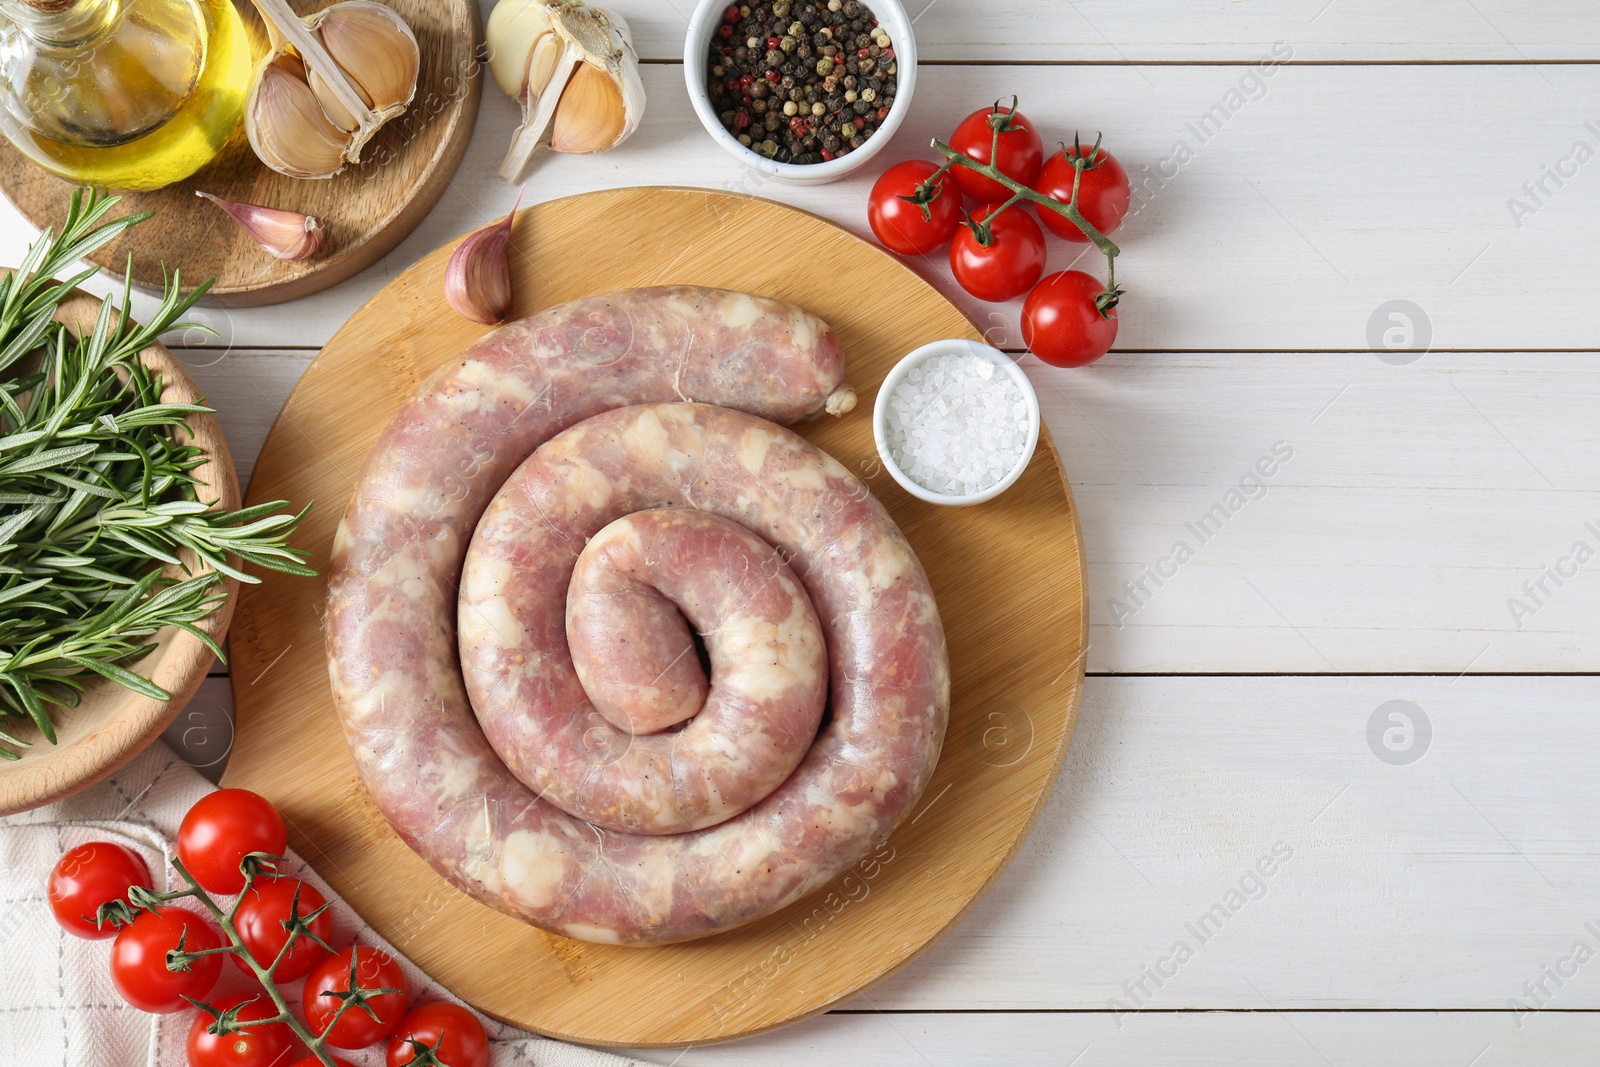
(89, 876)
(375, 969)
(1061, 324)
(261, 922)
(1103, 192)
(312, 1061)
(221, 829)
(139, 960)
(1021, 152)
(1009, 264)
(900, 225)
(260, 1045)
(454, 1033)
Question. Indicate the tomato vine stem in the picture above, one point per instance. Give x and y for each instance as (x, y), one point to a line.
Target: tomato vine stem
(980, 228)
(298, 926)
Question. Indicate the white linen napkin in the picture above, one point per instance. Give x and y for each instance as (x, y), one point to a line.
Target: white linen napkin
(57, 1003)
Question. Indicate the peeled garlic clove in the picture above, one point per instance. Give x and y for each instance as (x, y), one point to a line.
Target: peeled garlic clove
(477, 280)
(285, 234)
(287, 126)
(549, 53)
(375, 48)
(512, 31)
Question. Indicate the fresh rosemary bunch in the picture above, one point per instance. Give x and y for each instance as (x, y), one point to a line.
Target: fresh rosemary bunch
(97, 495)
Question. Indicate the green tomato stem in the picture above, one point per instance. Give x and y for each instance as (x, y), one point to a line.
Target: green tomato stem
(998, 122)
(1023, 192)
(263, 974)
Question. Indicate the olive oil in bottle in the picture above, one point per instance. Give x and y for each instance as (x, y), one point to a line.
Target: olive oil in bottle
(129, 94)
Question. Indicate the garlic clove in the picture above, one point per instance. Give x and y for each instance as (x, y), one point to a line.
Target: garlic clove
(375, 47)
(477, 280)
(512, 30)
(539, 111)
(332, 106)
(285, 234)
(549, 52)
(287, 126)
(591, 115)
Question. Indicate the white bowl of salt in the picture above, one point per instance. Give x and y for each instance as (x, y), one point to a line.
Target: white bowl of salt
(956, 422)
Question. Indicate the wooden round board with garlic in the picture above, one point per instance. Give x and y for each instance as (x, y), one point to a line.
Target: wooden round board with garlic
(358, 117)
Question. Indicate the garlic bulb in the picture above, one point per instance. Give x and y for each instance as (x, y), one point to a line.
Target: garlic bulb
(573, 69)
(327, 84)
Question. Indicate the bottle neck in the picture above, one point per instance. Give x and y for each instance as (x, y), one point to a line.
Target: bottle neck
(61, 23)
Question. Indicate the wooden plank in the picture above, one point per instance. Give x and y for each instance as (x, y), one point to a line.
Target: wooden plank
(1444, 883)
(1083, 31)
(1447, 882)
(1398, 535)
(1281, 232)
(1263, 1039)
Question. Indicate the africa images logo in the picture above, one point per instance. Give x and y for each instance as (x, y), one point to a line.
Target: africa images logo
(1252, 885)
(1252, 485)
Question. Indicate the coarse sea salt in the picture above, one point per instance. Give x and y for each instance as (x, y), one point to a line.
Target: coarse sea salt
(956, 424)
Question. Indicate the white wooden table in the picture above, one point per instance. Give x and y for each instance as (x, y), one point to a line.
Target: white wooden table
(1238, 707)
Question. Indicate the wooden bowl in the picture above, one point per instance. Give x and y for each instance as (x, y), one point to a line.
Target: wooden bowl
(111, 724)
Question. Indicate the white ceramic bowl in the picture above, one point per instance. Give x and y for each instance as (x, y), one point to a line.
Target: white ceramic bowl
(953, 346)
(697, 43)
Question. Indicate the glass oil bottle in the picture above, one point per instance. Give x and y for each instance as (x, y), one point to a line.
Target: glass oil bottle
(128, 94)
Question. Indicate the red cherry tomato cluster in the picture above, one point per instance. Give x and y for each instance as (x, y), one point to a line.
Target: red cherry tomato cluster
(996, 159)
(168, 955)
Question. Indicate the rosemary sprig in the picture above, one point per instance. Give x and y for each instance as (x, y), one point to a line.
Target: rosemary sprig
(97, 493)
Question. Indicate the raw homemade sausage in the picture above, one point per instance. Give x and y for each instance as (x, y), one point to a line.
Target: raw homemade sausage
(612, 763)
(398, 555)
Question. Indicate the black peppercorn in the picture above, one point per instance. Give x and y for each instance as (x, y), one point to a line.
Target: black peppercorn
(809, 81)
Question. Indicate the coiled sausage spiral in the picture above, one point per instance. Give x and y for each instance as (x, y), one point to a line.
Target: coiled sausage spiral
(634, 400)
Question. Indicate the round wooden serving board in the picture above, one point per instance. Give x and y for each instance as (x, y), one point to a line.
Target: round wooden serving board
(367, 209)
(1008, 575)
